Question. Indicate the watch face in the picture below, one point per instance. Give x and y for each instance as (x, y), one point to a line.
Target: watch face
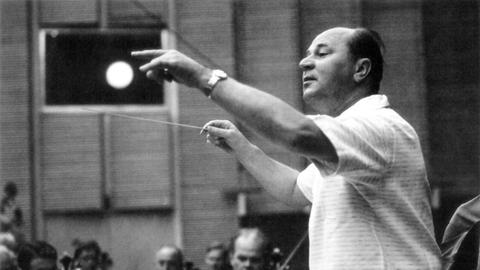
(217, 75)
(220, 73)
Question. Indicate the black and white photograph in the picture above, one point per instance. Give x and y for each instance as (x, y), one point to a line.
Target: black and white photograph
(239, 134)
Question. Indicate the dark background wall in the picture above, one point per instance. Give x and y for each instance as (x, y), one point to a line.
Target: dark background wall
(451, 35)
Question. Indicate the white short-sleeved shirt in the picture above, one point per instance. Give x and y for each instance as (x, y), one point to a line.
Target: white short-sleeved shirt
(371, 210)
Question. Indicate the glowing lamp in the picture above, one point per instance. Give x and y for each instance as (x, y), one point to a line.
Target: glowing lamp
(119, 75)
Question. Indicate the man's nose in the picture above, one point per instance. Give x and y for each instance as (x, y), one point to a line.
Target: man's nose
(306, 64)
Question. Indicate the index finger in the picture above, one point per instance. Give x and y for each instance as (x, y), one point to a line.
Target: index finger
(148, 53)
(212, 123)
(205, 127)
(216, 131)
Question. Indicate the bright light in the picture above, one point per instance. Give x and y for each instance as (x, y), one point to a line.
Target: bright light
(119, 75)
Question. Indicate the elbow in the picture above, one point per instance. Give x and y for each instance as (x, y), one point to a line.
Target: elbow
(302, 142)
(303, 135)
(312, 142)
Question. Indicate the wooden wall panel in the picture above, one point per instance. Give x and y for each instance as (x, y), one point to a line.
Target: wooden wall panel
(137, 13)
(15, 162)
(71, 165)
(140, 162)
(267, 57)
(205, 172)
(68, 12)
(267, 47)
(318, 16)
(400, 25)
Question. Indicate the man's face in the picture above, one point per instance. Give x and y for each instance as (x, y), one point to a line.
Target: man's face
(166, 259)
(247, 255)
(328, 71)
(43, 264)
(214, 259)
(87, 260)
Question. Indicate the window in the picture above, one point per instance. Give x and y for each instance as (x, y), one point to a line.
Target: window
(77, 63)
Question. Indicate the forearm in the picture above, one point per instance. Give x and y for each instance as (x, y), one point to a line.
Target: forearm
(264, 113)
(273, 118)
(276, 178)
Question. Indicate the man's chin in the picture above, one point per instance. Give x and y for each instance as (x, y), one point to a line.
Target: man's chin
(310, 98)
(318, 107)
(307, 96)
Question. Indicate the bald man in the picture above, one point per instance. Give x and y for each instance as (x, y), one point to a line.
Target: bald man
(249, 250)
(366, 182)
(169, 257)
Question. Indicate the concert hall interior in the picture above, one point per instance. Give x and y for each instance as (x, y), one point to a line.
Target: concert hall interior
(92, 151)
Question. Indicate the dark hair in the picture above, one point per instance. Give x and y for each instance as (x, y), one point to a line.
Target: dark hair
(106, 260)
(366, 43)
(10, 189)
(88, 245)
(30, 251)
(224, 252)
(215, 245)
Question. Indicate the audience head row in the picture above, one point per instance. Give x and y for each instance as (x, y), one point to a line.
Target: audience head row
(248, 249)
(40, 255)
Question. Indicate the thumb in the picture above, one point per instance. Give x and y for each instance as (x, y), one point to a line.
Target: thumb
(217, 131)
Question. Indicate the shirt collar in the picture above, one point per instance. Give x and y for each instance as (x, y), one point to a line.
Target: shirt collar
(369, 103)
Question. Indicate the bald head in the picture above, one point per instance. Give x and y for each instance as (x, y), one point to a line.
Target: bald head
(339, 32)
(341, 66)
(169, 257)
(362, 43)
(249, 250)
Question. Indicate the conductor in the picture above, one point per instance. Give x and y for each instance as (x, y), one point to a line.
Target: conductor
(366, 182)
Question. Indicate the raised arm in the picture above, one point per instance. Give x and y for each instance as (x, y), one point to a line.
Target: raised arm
(268, 115)
(277, 178)
(274, 119)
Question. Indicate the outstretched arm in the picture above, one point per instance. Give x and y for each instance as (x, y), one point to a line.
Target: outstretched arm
(277, 178)
(266, 114)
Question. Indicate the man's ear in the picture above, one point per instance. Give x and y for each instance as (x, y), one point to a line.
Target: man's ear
(362, 69)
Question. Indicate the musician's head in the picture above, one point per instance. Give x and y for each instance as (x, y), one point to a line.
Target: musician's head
(216, 256)
(37, 255)
(249, 250)
(8, 240)
(8, 260)
(169, 257)
(87, 255)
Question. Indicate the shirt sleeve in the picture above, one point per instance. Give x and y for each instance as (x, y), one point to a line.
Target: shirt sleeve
(363, 144)
(305, 181)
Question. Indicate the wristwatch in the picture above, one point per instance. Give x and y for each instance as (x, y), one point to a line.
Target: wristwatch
(217, 75)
